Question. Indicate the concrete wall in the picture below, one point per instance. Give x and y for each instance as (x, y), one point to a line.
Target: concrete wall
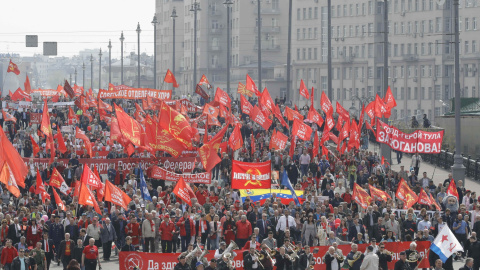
(470, 127)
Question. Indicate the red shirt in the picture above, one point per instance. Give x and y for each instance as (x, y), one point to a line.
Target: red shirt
(167, 230)
(91, 252)
(244, 230)
(201, 197)
(8, 254)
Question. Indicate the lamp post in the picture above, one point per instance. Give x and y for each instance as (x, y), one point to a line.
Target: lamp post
(83, 75)
(227, 4)
(154, 23)
(173, 16)
(91, 71)
(75, 75)
(109, 61)
(329, 47)
(195, 8)
(138, 37)
(458, 170)
(99, 69)
(121, 57)
(259, 37)
(289, 49)
(386, 151)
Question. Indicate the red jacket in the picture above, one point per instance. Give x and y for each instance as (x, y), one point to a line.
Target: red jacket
(183, 232)
(244, 230)
(201, 197)
(8, 254)
(167, 230)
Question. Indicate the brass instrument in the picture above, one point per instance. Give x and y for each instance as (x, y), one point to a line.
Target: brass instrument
(259, 257)
(231, 247)
(339, 256)
(190, 255)
(413, 257)
(205, 252)
(290, 258)
(311, 261)
(272, 252)
(387, 252)
(292, 247)
(229, 258)
(356, 257)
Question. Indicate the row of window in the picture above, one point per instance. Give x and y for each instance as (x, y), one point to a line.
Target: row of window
(310, 13)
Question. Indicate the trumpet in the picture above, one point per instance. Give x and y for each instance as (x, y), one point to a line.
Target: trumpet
(387, 252)
(291, 247)
(260, 257)
(290, 258)
(269, 251)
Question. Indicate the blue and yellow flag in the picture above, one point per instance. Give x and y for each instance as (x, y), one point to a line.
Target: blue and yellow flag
(263, 194)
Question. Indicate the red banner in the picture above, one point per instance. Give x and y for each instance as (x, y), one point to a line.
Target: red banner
(247, 175)
(161, 173)
(186, 165)
(35, 118)
(167, 261)
(134, 93)
(418, 141)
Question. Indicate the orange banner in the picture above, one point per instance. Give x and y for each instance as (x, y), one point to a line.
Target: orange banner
(134, 93)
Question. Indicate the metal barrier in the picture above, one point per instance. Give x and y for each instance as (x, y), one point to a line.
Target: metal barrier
(445, 160)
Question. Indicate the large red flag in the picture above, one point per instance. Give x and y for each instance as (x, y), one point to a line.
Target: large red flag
(344, 132)
(303, 90)
(27, 87)
(58, 201)
(423, 198)
(10, 155)
(89, 178)
(242, 90)
(223, 98)
(278, 115)
(86, 197)
(258, 117)
(79, 134)
(72, 117)
(235, 141)
(361, 196)
(170, 78)
(379, 194)
(380, 108)
(452, 189)
(182, 191)
(326, 104)
(314, 116)
(159, 139)
(35, 146)
(116, 196)
(301, 130)
(251, 86)
(370, 111)
(292, 114)
(176, 124)
(325, 137)
(45, 127)
(61, 143)
(12, 67)
(8, 117)
(8, 179)
(354, 140)
(434, 202)
(267, 100)
(211, 110)
(405, 194)
(316, 145)
(105, 106)
(278, 141)
(208, 156)
(56, 180)
(68, 89)
(204, 81)
(40, 187)
(245, 105)
(389, 101)
(129, 127)
(341, 111)
(20, 95)
(248, 175)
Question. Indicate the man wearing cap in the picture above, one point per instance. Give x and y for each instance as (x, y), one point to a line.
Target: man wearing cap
(212, 266)
(182, 264)
(402, 264)
(167, 228)
(370, 262)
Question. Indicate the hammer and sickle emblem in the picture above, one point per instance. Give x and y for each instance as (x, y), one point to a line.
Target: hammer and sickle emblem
(452, 246)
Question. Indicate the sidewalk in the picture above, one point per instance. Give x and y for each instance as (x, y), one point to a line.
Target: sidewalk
(439, 174)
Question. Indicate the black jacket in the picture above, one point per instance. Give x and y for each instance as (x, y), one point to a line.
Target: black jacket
(72, 229)
(329, 260)
(63, 246)
(401, 265)
(77, 253)
(383, 260)
(282, 261)
(366, 219)
(303, 260)
(50, 247)
(16, 264)
(248, 261)
(128, 248)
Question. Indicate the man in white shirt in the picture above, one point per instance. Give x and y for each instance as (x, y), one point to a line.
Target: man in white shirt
(304, 162)
(424, 224)
(284, 223)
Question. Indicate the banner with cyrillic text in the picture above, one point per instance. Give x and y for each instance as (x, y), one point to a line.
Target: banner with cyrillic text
(162, 174)
(135, 93)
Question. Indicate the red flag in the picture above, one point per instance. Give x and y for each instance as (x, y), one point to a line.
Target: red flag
(170, 78)
(130, 129)
(341, 111)
(367, 124)
(105, 106)
(89, 178)
(199, 90)
(35, 146)
(303, 90)
(316, 145)
(452, 189)
(10, 155)
(301, 130)
(116, 196)
(252, 144)
(20, 95)
(361, 196)
(27, 87)
(8, 179)
(223, 98)
(45, 127)
(389, 101)
(344, 132)
(72, 117)
(370, 111)
(325, 137)
(252, 87)
(183, 191)
(378, 193)
(334, 138)
(329, 123)
(248, 175)
(86, 198)
(204, 81)
(423, 198)
(258, 117)
(79, 134)
(58, 201)
(380, 108)
(245, 105)
(267, 100)
(61, 143)
(292, 147)
(278, 115)
(405, 194)
(176, 124)
(208, 156)
(12, 67)
(242, 90)
(311, 97)
(56, 180)
(292, 115)
(326, 105)
(434, 202)
(40, 187)
(314, 117)
(8, 117)
(235, 141)
(383, 160)
(354, 140)
(325, 151)
(68, 89)
(159, 139)
(278, 141)
(210, 110)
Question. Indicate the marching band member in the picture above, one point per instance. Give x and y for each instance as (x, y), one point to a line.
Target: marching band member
(373, 244)
(270, 241)
(412, 255)
(219, 252)
(251, 261)
(355, 257)
(384, 256)
(226, 263)
(182, 265)
(402, 264)
(283, 260)
(332, 260)
(252, 243)
(267, 262)
(306, 259)
(370, 261)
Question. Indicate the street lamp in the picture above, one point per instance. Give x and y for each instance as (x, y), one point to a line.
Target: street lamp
(75, 75)
(289, 49)
(83, 75)
(173, 16)
(154, 23)
(458, 170)
(138, 34)
(259, 37)
(227, 4)
(195, 8)
(99, 69)
(121, 57)
(386, 151)
(109, 61)
(329, 47)
(91, 71)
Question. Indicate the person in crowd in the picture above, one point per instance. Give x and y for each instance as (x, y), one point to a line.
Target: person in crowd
(90, 256)
(65, 251)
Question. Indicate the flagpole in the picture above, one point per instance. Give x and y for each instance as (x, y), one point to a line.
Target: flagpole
(5, 78)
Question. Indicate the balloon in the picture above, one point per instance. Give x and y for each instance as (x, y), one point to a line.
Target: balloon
(337, 223)
(89, 128)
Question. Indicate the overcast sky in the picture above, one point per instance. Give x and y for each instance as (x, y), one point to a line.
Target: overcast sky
(76, 25)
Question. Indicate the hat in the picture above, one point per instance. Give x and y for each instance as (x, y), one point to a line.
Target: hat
(84, 214)
(181, 257)
(223, 244)
(237, 201)
(402, 253)
(198, 264)
(24, 219)
(143, 205)
(56, 216)
(213, 260)
(167, 216)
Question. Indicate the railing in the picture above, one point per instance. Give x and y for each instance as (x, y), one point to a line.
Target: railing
(445, 160)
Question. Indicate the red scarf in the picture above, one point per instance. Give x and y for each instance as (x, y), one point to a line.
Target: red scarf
(152, 225)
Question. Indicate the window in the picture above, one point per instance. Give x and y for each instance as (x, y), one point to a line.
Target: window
(438, 23)
(298, 34)
(422, 93)
(315, 14)
(310, 33)
(402, 93)
(474, 46)
(315, 55)
(310, 13)
(467, 24)
(304, 33)
(474, 22)
(345, 11)
(298, 14)
(309, 53)
(304, 13)
(333, 11)
(466, 47)
(315, 33)
(304, 54)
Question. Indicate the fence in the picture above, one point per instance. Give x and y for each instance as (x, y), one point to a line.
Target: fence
(445, 160)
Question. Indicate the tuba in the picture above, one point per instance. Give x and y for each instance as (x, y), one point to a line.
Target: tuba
(356, 257)
(231, 247)
(205, 252)
(190, 255)
(229, 258)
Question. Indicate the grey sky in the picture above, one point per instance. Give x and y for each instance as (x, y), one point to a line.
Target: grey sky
(76, 25)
